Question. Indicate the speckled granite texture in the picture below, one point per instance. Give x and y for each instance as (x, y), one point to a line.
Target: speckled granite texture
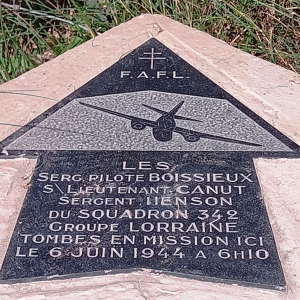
(76, 127)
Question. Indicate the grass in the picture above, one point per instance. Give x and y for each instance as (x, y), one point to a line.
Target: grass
(32, 32)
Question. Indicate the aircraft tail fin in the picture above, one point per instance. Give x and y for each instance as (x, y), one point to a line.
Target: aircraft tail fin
(173, 112)
(176, 108)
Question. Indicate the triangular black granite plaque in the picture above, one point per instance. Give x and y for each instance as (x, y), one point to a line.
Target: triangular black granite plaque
(149, 165)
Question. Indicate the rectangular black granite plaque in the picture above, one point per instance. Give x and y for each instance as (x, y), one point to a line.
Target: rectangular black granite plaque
(183, 212)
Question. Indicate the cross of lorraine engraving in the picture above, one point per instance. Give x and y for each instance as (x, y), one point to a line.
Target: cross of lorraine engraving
(152, 58)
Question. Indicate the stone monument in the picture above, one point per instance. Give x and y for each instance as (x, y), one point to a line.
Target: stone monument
(150, 165)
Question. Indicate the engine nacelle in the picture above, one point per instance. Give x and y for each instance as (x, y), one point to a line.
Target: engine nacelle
(191, 138)
(137, 125)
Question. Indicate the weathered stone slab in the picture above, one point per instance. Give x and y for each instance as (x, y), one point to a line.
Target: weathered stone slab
(262, 139)
(206, 166)
(15, 177)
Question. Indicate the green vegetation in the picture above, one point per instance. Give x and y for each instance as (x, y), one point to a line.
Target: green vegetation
(33, 32)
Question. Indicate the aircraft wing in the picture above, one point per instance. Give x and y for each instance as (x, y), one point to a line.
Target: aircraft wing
(143, 121)
(187, 133)
(162, 112)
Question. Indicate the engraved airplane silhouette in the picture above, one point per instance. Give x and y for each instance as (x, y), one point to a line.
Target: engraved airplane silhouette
(164, 127)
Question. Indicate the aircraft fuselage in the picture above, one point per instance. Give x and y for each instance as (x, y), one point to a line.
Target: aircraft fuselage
(164, 130)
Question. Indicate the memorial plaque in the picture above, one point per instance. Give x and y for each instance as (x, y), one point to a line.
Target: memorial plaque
(147, 166)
